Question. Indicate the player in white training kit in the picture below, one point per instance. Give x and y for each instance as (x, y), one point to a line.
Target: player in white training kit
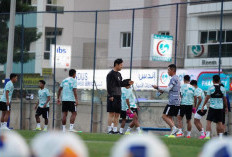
(5, 102)
(42, 106)
(173, 90)
(69, 99)
(199, 98)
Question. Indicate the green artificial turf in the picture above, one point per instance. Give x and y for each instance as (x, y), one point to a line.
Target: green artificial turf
(100, 145)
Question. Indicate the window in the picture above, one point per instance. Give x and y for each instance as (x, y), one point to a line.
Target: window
(204, 37)
(51, 1)
(212, 36)
(49, 41)
(229, 36)
(46, 55)
(164, 33)
(126, 39)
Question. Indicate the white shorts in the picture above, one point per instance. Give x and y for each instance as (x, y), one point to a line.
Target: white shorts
(199, 114)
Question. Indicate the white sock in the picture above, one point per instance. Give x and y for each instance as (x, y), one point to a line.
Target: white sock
(128, 129)
(188, 133)
(138, 129)
(121, 130)
(45, 126)
(71, 126)
(64, 127)
(207, 133)
(203, 130)
(38, 125)
(220, 135)
(115, 129)
(112, 125)
(174, 128)
(1, 124)
(109, 128)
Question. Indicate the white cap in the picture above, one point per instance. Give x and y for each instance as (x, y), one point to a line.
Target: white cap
(13, 145)
(55, 144)
(145, 145)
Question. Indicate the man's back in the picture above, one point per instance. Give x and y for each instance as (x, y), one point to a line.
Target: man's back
(216, 103)
(187, 94)
(68, 84)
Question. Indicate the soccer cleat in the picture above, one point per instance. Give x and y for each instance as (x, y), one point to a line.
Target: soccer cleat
(202, 137)
(180, 135)
(45, 129)
(115, 132)
(73, 130)
(171, 136)
(110, 132)
(174, 131)
(5, 128)
(207, 138)
(127, 133)
(38, 129)
(188, 137)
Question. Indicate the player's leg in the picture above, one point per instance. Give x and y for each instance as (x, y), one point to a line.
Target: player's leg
(64, 114)
(136, 122)
(220, 129)
(188, 120)
(6, 117)
(117, 110)
(110, 111)
(116, 120)
(208, 129)
(37, 115)
(180, 122)
(169, 112)
(73, 110)
(123, 116)
(45, 116)
(2, 118)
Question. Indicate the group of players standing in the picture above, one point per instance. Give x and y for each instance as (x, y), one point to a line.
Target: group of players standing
(183, 100)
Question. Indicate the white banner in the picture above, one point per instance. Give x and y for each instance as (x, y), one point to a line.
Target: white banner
(161, 48)
(63, 56)
(143, 79)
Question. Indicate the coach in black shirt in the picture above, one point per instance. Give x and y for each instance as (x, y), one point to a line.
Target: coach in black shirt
(114, 84)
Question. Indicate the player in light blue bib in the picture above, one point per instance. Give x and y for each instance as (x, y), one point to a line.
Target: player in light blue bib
(42, 106)
(5, 102)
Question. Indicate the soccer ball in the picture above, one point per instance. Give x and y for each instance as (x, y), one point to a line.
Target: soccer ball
(218, 148)
(137, 145)
(12, 145)
(58, 144)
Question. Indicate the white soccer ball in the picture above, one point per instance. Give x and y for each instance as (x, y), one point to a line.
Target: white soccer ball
(140, 145)
(58, 144)
(13, 145)
(218, 148)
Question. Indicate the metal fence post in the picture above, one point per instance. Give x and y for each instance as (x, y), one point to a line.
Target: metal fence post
(220, 45)
(132, 41)
(94, 68)
(21, 75)
(54, 75)
(176, 35)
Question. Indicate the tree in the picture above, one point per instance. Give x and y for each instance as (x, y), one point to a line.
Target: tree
(30, 34)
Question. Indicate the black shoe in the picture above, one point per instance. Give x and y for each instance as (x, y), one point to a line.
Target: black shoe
(115, 132)
(111, 132)
(121, 133)
(225, 134)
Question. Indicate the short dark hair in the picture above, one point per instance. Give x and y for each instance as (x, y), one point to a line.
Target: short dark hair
(186, 78)
(216, 78)
(72, 72)
(193, 82)
(118, 61)
(42, 81)
(172, 67)
(12, 76)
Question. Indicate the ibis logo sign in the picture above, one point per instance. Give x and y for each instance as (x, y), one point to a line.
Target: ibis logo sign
(161, 48)
(63, 56)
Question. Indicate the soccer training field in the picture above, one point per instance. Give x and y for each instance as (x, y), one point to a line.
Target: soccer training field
(100, 145)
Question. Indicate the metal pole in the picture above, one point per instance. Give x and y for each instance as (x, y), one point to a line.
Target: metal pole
(10, 49)
(176, 36)
(132, 41)
(21, 75)
(94, 68)
(54, 75)
(220, 45)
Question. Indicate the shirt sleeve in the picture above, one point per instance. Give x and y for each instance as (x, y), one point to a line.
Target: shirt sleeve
(47, 92)
(75, 84)
(61, 85)
(8, 87)
(224, 92)
(197, 93)
(127, 93)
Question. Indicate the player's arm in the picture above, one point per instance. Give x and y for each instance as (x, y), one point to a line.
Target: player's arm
(206, 100)
(109, 80)
(75, 95)
(199, 101)
(48, 100)
(225, 103)
(7, 98)
(163, 89)
(195, 101)
(59, 93)
(128, 104)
